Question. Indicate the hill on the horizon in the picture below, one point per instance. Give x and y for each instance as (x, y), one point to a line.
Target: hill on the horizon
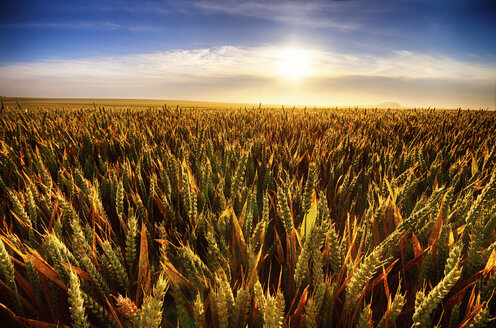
(388, 104)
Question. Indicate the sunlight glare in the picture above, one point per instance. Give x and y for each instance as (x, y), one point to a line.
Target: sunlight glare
(294, 64)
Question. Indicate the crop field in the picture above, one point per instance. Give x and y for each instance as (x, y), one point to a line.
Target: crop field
(172, 216)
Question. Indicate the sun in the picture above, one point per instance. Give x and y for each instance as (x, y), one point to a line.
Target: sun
(294, 64)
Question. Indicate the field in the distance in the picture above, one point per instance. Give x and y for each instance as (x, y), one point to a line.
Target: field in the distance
(127, 215)
(75, 103)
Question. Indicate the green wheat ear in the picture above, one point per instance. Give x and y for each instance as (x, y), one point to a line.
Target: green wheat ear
(396, 308)
(482, 318)
(116, 266)
(98, 311)
(241, 308)
(365, 318)
(362, 275)
(310, 184)
(131, 234)
(283, 205)
(311, 312)
(425, 305)
(34, 279)
(96, 276)
(119, 200)
(273, 311)
(76, 302)
(7, 269)
(225, 300)
(151, 310)
(312, 244)
(18, 209)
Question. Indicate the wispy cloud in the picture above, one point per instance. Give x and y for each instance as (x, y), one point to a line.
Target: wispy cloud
(85, 25)
(253, 74)
(312, 13)
(337, 15)
(405, 64)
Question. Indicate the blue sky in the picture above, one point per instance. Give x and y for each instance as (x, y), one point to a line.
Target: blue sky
(418, 53)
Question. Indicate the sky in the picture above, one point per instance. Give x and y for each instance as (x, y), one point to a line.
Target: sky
(422, 53)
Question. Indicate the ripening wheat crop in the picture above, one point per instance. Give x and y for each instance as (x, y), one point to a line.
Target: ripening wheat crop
(203, 218)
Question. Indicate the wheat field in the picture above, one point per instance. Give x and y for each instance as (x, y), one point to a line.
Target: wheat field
(169, 216)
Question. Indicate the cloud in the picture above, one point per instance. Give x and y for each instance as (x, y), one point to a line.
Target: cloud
(406, 64)
(253, 74)
(338, 15)
(102, 26)
(310, 13)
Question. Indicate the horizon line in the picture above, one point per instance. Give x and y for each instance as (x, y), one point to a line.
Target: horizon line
(91, 101)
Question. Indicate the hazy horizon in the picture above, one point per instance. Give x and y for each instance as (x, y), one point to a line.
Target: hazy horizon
(323, 53)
